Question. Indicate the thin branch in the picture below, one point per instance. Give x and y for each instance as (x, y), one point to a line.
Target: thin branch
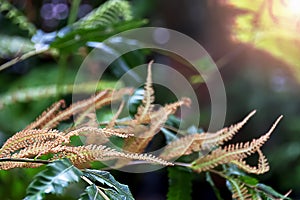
(24, 160)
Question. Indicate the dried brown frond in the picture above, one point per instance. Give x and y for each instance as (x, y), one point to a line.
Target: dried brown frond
(148, 99)
(143, 134)
(26, 138)
(203, 141)
(46, 115)
(83, 154)
(35, 150)
(99, 131)
(214, 139)
(75, 108)
(230, 153)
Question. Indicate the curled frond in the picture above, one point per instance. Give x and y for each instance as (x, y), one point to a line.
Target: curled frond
(263, 165)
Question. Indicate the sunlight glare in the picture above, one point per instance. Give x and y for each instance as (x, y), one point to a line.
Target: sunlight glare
(294, 6)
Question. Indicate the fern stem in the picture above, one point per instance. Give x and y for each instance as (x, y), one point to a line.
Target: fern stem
(182, 164)
(23, 57)
(73, 11)
(24, 160)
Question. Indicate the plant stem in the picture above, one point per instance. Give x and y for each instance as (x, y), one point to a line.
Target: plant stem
(91, 183)
(23, 57)
(73, 11)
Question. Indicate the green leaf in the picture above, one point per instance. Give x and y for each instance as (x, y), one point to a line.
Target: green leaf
(79, 37)
(57, 176)
(113, 189)
(180, 184)
(91, 193)
(10, 46)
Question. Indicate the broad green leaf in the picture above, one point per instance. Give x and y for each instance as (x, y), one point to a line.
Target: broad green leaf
(249, 180)
(91, 193)
(79, 37)
(57, 176)
(112, 188)
(180, 184)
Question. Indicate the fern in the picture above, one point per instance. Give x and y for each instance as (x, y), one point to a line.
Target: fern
(17, 17)
(41, 142)
(109, 13)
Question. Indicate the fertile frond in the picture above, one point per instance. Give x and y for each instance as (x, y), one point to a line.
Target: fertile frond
(99, 131)
(11, 165)
(204, 141)
(231, 153)
(76, 108)
(83, 154)
(35, 150)
(26, 138)
(148, 99)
